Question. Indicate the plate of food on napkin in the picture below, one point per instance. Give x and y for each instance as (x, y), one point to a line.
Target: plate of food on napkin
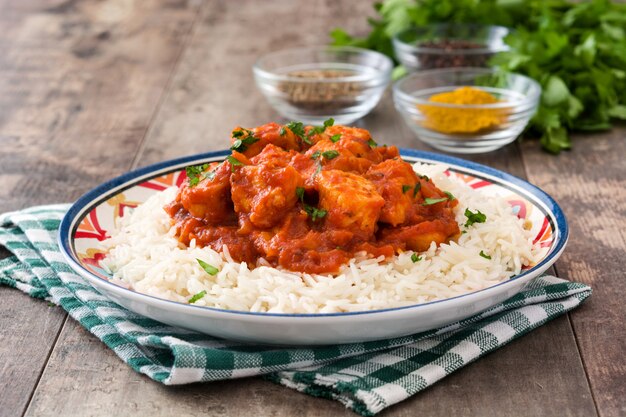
(312, 235)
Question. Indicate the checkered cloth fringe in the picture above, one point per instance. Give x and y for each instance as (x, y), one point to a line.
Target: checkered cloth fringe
(366, 377)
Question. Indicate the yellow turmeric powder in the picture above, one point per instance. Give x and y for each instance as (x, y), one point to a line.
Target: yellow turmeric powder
(455, 120)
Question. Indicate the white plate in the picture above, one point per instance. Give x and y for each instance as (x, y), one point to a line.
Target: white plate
(88, 221)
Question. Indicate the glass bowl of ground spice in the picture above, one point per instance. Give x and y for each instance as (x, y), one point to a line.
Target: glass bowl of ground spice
(466, 110)
(449, 45)
(312, 84)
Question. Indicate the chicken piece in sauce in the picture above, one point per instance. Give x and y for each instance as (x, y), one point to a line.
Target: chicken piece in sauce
(266, 189)
(399, 187)
(308, 199)
(351, 201)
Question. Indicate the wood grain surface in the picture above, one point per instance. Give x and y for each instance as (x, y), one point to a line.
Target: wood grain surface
(79, 85)
(90, 89)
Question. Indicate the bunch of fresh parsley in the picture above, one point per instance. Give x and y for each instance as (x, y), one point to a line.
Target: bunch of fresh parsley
(576, 51)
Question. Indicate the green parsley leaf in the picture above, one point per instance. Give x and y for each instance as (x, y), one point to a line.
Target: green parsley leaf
(418, 187)
(315, 213)
(197, 297)
(234, 162)
(194, 173)
(415, 258)
(472, 218)
(300, 193)
(335, 138)
(330, 154)
(241, 144)
(430, 201)
(208, 268)
(282, 131)
(316, 130)
(450, 196)
(406, 188)
(372, 143)
(484, 255)
(425, 177)
(297, 128)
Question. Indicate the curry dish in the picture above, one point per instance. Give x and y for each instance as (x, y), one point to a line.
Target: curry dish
(309, 198)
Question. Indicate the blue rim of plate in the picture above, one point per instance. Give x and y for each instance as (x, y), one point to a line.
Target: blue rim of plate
(101, 193)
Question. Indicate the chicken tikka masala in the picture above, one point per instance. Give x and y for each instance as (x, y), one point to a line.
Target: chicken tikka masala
(309, 198)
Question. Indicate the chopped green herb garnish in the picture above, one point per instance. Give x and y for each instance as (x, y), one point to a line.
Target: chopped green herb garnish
(300, 193)
(316, 130)
(314, 212)
(450, 196)
(335, 138)
(418, 187)
(430, 201)
(484, 255)
(210, 175)
(406, 188)
(243, 132)
(197, 297)
(234, 162)
(208, 268)
(326, 154)
(425, 177)
(372, 143)
(472, 218)
(242, 142)
(194, 173)
(296, 127)
(415, 258)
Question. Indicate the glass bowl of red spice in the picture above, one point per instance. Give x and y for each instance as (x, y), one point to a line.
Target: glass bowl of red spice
(449, 45)
(466, 110)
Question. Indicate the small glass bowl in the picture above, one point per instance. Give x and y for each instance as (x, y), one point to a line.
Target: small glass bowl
(448, 45)
(312, 84)
(465, 128)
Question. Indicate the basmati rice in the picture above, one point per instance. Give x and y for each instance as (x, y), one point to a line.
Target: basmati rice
(145, 255)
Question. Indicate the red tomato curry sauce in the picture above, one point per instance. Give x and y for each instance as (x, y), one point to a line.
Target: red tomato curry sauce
(308, 198)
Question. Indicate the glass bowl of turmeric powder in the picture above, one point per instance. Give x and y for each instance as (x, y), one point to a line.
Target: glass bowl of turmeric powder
(466, 110)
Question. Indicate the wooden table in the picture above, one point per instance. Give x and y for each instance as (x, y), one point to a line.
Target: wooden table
(89, 90)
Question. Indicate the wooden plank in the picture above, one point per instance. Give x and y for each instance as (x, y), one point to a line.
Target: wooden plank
(78, 86)
(28, 331)
(79, 83)
(590, 184)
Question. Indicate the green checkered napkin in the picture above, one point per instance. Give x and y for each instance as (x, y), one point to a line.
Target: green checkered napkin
(366, 377)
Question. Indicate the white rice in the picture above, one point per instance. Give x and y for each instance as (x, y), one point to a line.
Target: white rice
(145, 255)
